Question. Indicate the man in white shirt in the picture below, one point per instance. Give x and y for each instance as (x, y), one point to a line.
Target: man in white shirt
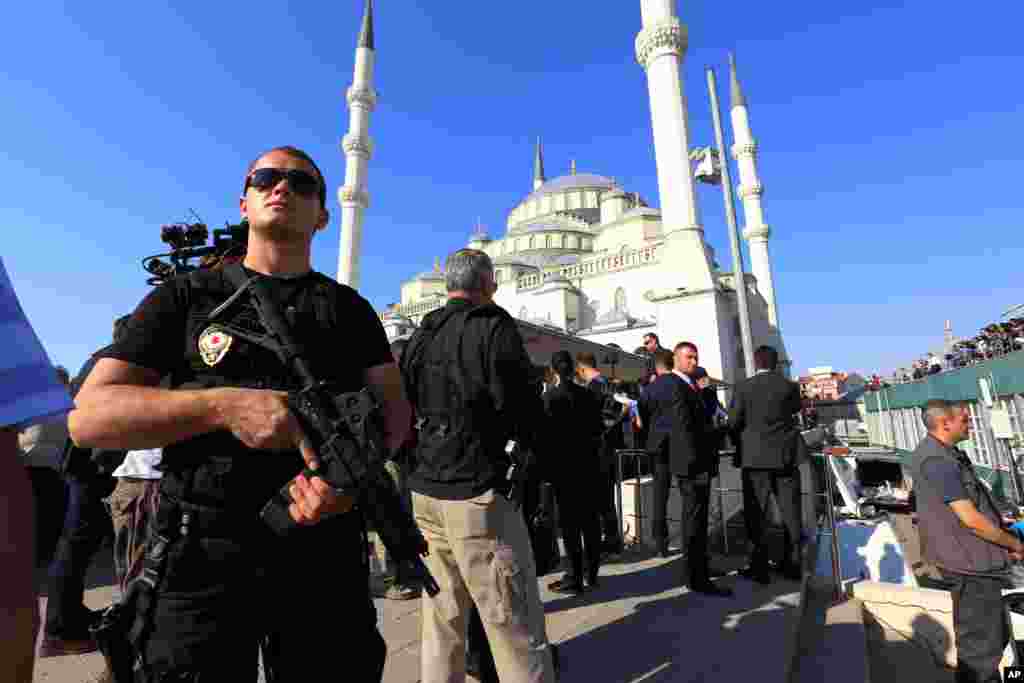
(132, 503)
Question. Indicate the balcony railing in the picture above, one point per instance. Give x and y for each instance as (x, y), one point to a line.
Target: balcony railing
(593, 267)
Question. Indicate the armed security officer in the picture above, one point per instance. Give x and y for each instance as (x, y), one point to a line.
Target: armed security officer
(962, 534)
(230, 443)
(471, 384)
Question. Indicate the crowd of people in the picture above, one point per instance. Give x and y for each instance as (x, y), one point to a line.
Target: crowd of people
(992, 341)
(187, 425)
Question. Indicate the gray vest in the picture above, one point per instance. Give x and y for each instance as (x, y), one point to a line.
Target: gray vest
(946, 542)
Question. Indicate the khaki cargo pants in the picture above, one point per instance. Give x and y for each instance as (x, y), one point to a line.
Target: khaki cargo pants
(480, 553)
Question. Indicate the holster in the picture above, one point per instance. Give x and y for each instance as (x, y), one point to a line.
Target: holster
(122, 630)
(111, 634)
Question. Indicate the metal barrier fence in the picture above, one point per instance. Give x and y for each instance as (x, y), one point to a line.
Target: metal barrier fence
(638, 455)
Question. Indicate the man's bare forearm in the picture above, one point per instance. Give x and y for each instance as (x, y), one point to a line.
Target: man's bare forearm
(385, 382)
(129, 417)
(984, 529)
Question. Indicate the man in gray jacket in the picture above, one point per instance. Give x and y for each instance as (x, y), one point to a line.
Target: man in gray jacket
(962, 533)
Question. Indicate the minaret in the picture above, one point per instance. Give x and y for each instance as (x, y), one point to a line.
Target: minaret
(660, 47)
(358, 147)
(538, 167)
(750, 190)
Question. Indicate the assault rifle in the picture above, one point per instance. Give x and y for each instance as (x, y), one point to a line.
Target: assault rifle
(343, 431)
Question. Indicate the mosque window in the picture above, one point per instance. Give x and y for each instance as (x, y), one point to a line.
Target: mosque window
(523, 313)
(547, 241)
(620, 300)
(533, 242)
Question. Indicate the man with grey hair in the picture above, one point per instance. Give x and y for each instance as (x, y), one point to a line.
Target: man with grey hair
(962, 534)
(470, 380)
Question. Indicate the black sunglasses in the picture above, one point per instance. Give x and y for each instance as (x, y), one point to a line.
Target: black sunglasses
(302, 183)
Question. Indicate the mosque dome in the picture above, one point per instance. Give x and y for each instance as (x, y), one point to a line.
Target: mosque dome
(577, 181)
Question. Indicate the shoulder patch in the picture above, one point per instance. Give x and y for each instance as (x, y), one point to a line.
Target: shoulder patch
(214, 344)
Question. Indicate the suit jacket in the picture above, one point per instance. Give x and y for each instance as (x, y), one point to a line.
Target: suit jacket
(574, 428)
(679, 428)
(762, 415)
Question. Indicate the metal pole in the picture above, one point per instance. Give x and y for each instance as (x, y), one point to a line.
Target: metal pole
(721, 509)
(739, 278)
(837, 572)
(618, 494)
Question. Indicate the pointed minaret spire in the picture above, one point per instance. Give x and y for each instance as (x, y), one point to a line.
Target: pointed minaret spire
(756, 231)
(358, 148)
(366, 34)
(572, 167)
(538, 166)
(738, 100)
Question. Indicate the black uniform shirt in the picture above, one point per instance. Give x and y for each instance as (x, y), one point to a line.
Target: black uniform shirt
(163, 334)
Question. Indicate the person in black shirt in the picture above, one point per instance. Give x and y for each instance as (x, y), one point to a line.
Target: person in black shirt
(613, 414)
(230, 443)
(472, 386)
(574, 416)
(86, 525)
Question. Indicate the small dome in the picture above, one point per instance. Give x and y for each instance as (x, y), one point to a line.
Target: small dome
(574, 182)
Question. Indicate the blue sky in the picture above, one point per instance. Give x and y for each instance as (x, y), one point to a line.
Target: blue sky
(889, 138)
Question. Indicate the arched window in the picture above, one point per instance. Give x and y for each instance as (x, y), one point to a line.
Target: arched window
(620, 300)
(533, 241)
(547, 241)
(523, 313)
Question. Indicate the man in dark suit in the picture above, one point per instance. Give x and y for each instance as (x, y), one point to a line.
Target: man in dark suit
(690, 457)
(656, 416)
(763, 416)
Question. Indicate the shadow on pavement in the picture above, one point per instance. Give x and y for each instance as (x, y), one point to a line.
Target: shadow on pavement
(683, 637)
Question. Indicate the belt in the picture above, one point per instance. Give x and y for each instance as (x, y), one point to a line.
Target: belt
(203, 520)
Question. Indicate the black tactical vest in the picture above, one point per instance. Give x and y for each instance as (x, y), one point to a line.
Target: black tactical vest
(216, 470)
(946, 542)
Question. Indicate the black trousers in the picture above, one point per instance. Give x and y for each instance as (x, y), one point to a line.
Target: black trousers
(695, 492)
(605, 497)
(222, 602)
(86, 524)
(581, 525)
(662, 488)
(759, 485)
(979, 626)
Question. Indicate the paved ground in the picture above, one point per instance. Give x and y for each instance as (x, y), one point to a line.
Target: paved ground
(638, 626)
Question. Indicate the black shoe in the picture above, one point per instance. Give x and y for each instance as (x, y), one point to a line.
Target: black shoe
(565, 580)
(663, 549)
(592, 581)
(612, 546)
(708, 588)
(566, 587)
(77, 644)
(756, 574)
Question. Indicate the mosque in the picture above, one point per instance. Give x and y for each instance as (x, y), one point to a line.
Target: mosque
(584, 263)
